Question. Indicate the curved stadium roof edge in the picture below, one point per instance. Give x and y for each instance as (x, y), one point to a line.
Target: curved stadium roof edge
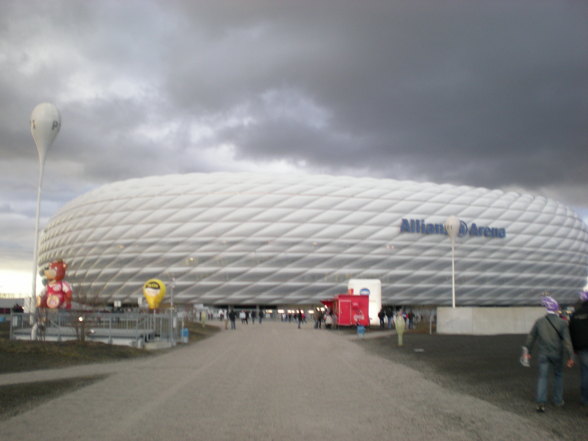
(243, 238)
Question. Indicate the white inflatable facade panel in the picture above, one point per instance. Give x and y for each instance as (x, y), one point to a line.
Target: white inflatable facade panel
(268, 239)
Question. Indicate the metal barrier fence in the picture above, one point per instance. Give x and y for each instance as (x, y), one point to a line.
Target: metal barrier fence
(130, 328)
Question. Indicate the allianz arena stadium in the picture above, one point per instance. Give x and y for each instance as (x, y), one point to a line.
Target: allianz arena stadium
(249, 239)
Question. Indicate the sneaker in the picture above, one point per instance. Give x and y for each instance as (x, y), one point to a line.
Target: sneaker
(559, 404)
(540, 408)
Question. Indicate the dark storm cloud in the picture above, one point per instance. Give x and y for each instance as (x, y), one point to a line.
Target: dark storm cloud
(480, 93)
(483, 93)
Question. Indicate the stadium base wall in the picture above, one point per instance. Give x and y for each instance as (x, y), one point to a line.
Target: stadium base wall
(487, 321)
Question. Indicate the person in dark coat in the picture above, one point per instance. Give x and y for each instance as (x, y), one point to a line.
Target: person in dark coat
(381, 316)
(579, 334)
(318, 318)
(232, 318)
(389, 316)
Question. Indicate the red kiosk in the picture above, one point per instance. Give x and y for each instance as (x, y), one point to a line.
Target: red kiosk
(350, 310)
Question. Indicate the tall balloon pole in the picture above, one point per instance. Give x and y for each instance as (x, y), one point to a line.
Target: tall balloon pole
(45, 125)
(452, 225)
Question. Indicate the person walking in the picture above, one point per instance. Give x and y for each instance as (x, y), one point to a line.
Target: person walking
(328, 320)
(400, 325)
(382, 316)
(318, 318)
(579, 335)
(551, 335)
(389, 316)
(232, 318)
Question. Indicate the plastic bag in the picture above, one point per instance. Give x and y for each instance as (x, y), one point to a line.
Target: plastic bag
(525, 360)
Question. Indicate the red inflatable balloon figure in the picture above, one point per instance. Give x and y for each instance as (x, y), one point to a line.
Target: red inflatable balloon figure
(57, 293)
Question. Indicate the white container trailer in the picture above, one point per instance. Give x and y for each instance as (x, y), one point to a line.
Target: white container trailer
(371, 288)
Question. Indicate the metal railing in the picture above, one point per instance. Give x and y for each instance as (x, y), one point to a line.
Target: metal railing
(133, 328)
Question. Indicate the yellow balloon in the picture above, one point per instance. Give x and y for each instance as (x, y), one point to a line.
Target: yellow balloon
(154, 292)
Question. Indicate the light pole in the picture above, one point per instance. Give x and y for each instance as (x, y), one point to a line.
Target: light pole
(172, 285)
(45, 125)
(452, 225)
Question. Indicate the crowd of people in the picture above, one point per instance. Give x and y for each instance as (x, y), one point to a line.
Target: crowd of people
(388, 314)
(246, 317)
(323, 318)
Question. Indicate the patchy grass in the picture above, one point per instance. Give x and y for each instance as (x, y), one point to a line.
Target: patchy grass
(21, 356)
(4, 330)
(18, 398)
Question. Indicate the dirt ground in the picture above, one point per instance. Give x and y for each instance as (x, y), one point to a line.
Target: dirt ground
(487, 367)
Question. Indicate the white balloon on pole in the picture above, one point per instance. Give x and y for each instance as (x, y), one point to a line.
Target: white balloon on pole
(45, 125)
(452, 225)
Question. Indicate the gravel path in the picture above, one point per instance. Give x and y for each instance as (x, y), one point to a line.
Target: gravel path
(268, 382)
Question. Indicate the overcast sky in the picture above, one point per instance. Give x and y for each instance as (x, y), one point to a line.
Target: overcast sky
(489, 93)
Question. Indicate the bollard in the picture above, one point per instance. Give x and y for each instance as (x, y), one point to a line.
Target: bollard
(185, 335)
